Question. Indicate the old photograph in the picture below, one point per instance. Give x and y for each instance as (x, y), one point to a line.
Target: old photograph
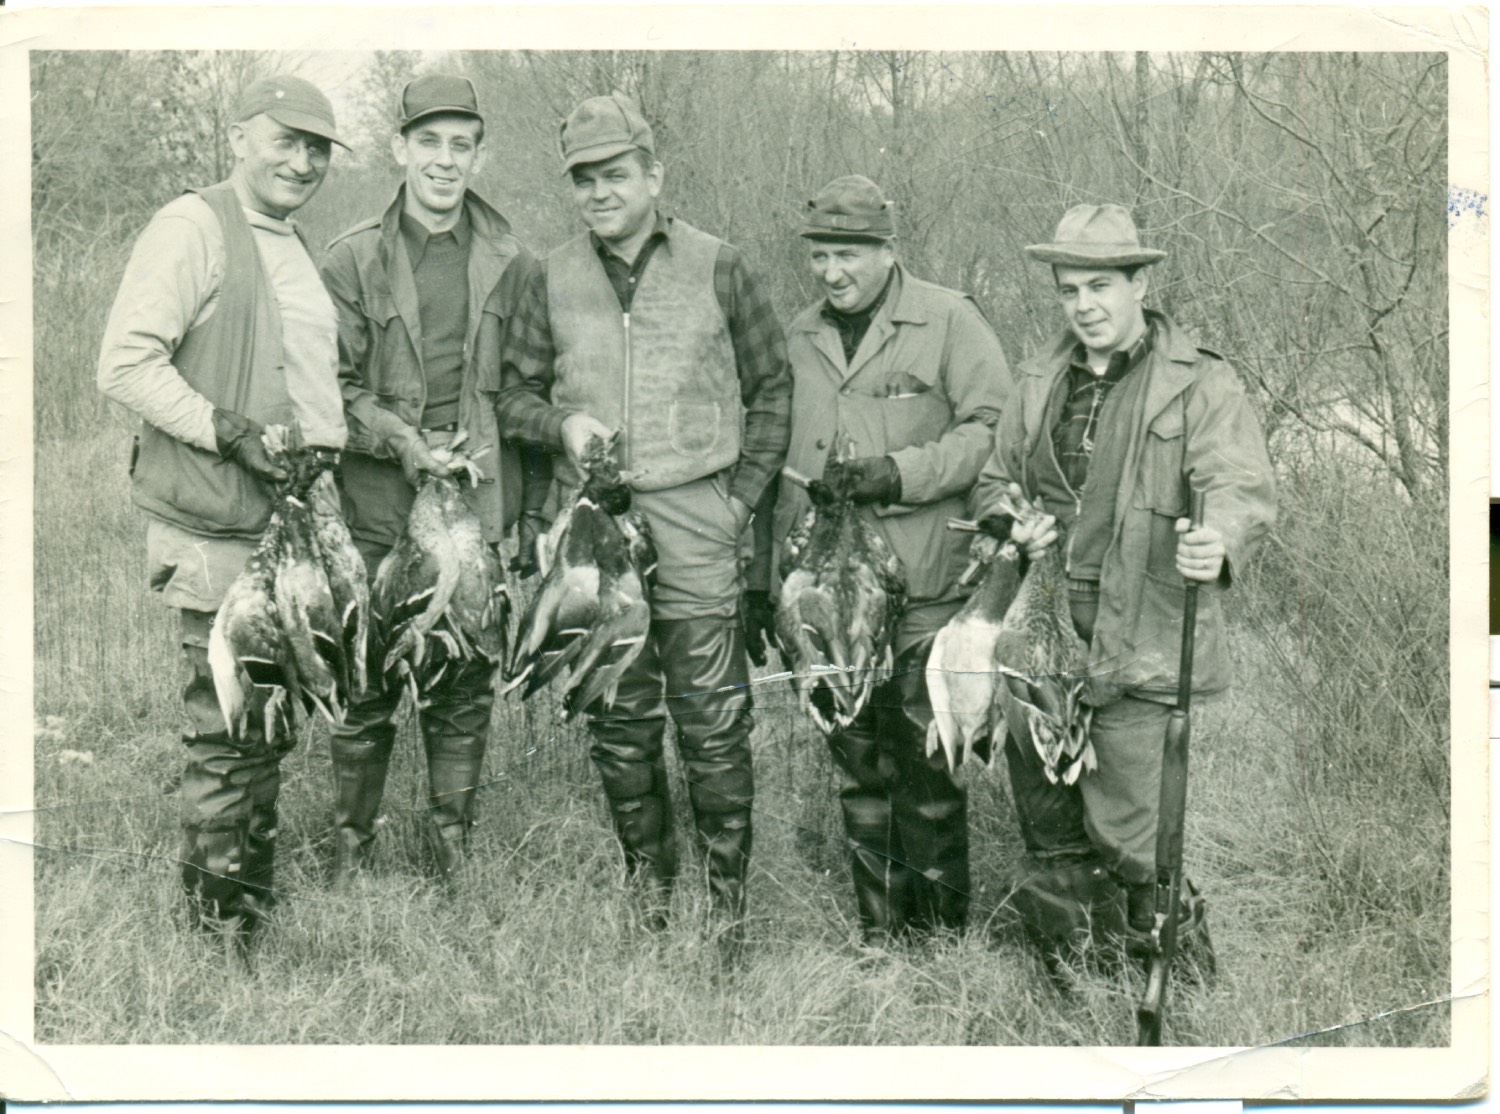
(938, 552)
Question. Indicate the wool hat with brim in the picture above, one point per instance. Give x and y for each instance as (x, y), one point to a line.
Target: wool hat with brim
(602, 128)
(849, 208)
(435, 94)
(292, 102)
(1096, 236)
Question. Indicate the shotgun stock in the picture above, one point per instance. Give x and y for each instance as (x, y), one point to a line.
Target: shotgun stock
(1169, 825)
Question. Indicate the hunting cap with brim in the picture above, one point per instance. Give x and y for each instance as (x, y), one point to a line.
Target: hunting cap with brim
(1096, 236)
(293, 103)
(849, 208)
(601, 128)
(437, 93)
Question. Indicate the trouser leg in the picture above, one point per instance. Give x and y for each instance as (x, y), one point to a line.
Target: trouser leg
(229, 795)
(930, 806)
(627, 751)
(455, 730)
(361, 749)
(707, 680)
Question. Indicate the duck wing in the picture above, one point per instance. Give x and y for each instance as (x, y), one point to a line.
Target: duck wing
(247, 652)
(309, 620)
(348, 580)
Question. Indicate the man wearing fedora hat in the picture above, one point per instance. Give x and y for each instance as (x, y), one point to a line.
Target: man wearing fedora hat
(647, 326)
(913, 375)
(220, 327)
(1115, 424)
(414, 288)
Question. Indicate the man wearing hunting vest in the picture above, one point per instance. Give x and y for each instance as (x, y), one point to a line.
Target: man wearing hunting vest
(1115, 423)
(645, 325)
(410, 286)
(914, 376)
(221, 326)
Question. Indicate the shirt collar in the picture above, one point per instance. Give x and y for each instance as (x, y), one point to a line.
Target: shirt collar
(662, 230)
(1121, 360)
(416, 234)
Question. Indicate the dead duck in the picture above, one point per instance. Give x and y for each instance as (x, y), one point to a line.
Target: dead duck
(439, 596)
(347, 579)
(1043, 664)
(249, 655)
(592, 611)
(961, 675)
(309, 617)
(842, 592)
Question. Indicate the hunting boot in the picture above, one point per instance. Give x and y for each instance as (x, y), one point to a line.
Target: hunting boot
(626, 749)
(1195, 948)
(930, 807)
(708, 694)
(360, 765)
(228, 794)
(877, 862)
(1073, 910)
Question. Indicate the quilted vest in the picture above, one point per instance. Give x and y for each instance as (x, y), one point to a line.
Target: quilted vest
(664, 373)
(234, 359)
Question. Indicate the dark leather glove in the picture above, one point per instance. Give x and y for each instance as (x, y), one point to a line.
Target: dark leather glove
(238, 439)
(865, 479)
(528, 530)
(759, 615)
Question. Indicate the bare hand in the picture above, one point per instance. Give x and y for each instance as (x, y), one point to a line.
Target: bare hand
(577, 428)
(1200, 552)
(417, 458)
(1033, 535)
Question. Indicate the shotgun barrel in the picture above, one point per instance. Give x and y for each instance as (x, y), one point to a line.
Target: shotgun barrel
(1169, 824)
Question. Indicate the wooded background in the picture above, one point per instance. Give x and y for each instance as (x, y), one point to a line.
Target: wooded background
(1303, 201)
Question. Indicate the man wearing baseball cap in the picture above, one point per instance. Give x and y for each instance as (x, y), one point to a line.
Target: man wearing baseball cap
(645, 325)
(1116, 423)
(914, 376)
(196, 347)
(414, 287)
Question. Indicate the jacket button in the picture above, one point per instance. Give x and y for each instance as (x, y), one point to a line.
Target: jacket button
(822, 443)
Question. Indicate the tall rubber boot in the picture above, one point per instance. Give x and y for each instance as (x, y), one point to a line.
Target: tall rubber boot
(930, 807)
(360, 766)
(626, 749)
(707, 677)
(877, 863)
(455, 729)
(229, 791)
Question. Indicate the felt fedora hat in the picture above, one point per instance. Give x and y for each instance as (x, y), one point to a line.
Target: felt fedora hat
(1096, 236)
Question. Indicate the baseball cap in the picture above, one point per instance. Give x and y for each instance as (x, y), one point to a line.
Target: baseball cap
(601, 128)
(292, 102)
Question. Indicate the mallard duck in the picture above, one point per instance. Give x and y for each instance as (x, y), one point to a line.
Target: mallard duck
(592, 612)
(842, 592)
(347, 579)
(961, 676)
(1044, 664)
(247, 651)
(440, 596)
(309, 619)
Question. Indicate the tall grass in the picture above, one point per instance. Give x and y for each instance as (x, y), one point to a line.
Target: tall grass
(1321, 919)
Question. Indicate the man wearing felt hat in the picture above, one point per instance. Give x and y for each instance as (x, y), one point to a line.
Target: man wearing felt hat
(220, 327)
(421, 291)
(646, 325)
(913, 375)
(1115, 423)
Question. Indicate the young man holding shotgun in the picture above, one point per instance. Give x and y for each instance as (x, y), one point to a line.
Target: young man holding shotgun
(1113, 427)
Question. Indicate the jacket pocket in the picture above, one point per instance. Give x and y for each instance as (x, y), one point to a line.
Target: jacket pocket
(693, 427)
(1162, 487)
